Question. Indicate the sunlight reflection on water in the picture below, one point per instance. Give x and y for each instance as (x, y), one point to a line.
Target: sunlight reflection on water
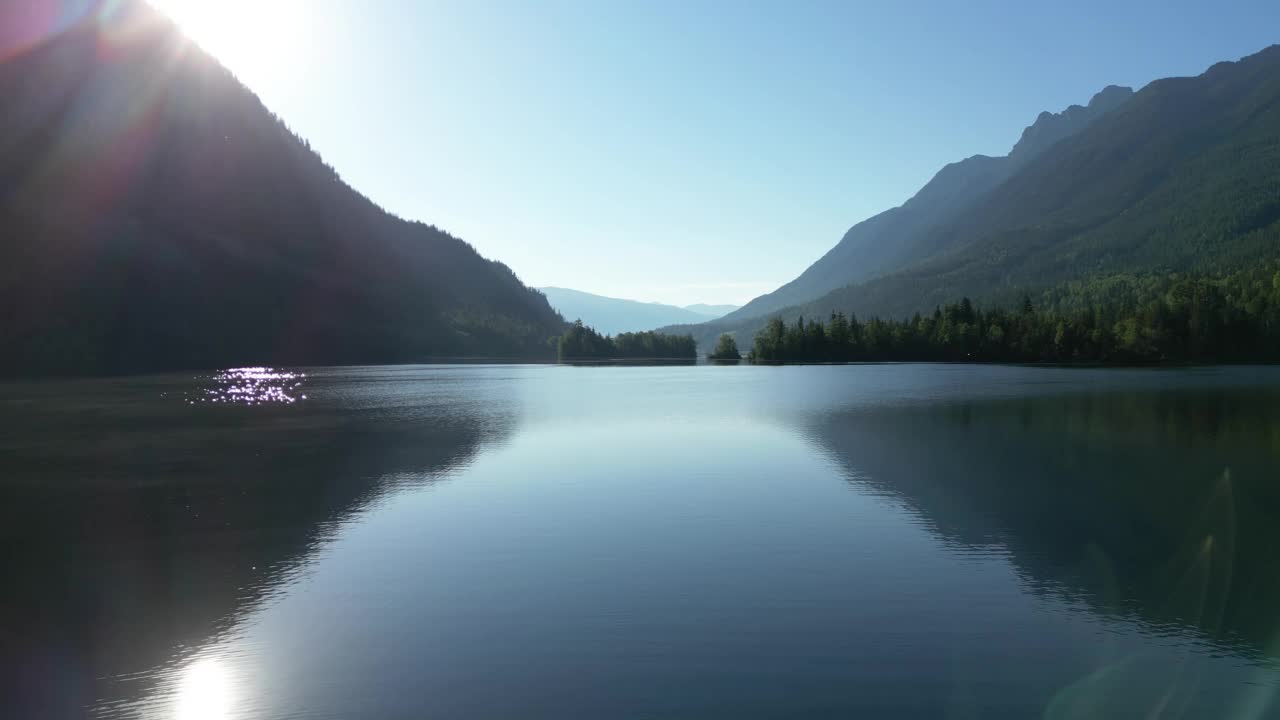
(204, 693)
(251, 386)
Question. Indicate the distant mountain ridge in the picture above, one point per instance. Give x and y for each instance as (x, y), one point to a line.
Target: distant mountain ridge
(156, 215)
(887, 241)
(611, 316)
(714, 311)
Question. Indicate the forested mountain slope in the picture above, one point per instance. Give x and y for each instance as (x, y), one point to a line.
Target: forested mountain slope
(156, 215)
(893, 239)
(1184, 176)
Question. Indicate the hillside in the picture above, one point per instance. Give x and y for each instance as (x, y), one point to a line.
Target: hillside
(892, 240)
(1184, 176)
(615, 315)
(156, 216)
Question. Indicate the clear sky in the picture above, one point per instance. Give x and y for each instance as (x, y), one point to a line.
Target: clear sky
(688, 151)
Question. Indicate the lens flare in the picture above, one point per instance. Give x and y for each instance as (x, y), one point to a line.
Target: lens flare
(255, 39)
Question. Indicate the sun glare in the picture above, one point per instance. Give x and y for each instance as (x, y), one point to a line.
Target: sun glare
(255, 39)
(204, 692)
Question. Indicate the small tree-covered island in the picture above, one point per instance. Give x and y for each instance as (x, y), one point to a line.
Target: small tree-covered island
(583, 343)
(726, 349)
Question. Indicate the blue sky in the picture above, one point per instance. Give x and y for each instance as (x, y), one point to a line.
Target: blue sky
(684, 151)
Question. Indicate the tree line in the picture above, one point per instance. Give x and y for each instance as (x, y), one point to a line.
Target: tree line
(580, 342)
(1116, 319)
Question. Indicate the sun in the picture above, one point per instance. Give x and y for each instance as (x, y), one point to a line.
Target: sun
(255, 39)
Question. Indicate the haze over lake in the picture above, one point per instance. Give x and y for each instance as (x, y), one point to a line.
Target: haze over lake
(553, 541)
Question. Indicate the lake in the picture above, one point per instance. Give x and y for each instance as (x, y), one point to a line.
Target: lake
(643, 542)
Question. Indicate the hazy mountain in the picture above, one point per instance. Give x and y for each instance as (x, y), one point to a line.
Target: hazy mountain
(614, 315)
(711, 311)
(156, 215)
(1183, 176)
(890, 240)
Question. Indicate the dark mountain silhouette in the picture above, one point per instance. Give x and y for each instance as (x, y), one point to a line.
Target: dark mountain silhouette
(891, 240)
(1184, 176)
(156, 215)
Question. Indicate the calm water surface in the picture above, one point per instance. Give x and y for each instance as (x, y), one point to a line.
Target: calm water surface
(686, 542)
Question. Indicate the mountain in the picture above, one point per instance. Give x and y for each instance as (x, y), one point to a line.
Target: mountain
(614, 315)
(889, 241)
(1184, 176)
(156, 215)
(711, 311)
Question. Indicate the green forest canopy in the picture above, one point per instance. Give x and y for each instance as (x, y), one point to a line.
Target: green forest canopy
(726, 349)
(1118, 319)
(583, 343)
